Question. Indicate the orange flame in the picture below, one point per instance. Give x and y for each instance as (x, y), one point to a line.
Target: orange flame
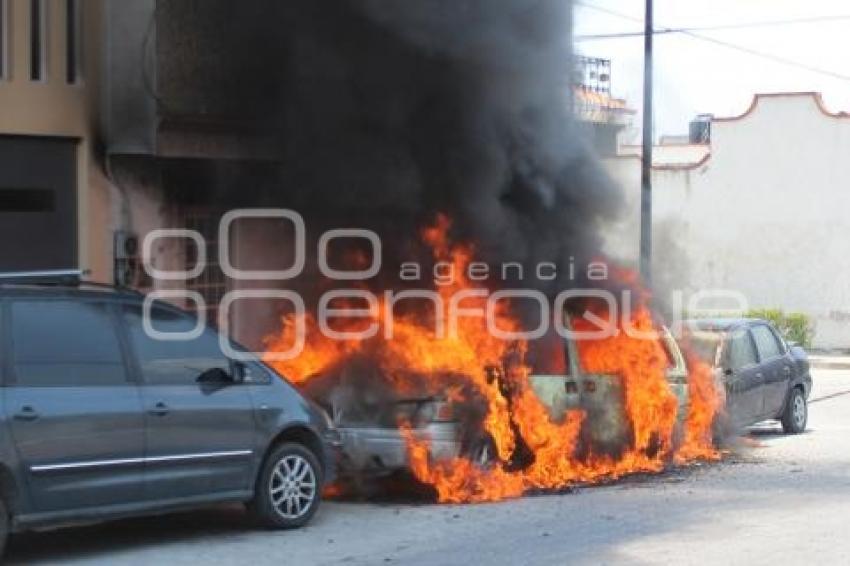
(704, 404)
(640, 365)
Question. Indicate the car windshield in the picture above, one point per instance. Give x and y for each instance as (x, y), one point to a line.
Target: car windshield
(705, 344)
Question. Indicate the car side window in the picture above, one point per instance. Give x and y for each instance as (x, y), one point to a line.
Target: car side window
(780, 342)
(548, 355)
(172, 362)
(767, 344)
(742, 352)
(65, 343)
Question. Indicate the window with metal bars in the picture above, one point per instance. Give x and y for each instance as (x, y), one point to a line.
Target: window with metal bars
(73, 41)
(38, 40)
(211, 284)
(4, 40)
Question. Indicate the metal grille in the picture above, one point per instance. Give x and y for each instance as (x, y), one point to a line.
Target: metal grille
(593, 74)
(211, 284)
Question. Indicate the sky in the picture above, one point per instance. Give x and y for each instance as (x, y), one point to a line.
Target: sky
(694, 76)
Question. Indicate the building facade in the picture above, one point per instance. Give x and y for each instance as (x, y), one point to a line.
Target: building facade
(54, 196)
(761, 208)
(105, 135)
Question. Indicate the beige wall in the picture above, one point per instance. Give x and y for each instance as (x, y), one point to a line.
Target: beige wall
(52, 107)
(766, 214)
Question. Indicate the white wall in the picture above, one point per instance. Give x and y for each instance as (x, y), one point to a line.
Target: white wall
(767, 214)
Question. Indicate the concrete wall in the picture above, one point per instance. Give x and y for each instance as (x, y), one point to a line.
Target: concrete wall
(765, 214)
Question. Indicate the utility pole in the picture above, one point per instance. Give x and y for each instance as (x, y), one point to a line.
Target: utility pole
(646, 160)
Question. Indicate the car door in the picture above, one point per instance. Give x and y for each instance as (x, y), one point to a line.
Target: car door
(677, 372)
(553, 375)
(199, 435)
(743, 376)
(777, 367)
(74, 412)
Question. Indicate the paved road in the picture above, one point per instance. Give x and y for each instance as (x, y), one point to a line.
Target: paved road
(778, 500)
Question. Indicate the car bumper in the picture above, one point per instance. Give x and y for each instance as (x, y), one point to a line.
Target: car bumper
(379, 450)
(334, 455)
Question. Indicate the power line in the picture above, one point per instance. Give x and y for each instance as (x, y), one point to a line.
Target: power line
(748, 25)
(728, 45)
(770, 57)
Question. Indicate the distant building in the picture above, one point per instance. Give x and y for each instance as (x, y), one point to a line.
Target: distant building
(601, 116)
(760, 204)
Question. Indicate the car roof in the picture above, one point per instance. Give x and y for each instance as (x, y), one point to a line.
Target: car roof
(721, 324)
(83, 290)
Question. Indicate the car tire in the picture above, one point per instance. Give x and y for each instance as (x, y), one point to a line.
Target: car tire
(482, 452)
(722, 429)
(796, 413)
(289, 488)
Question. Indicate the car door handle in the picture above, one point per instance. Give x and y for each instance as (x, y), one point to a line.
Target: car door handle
(786, 370)
(26, 413)
(159, 410)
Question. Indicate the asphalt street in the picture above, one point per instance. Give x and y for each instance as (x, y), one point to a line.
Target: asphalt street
(775, 500)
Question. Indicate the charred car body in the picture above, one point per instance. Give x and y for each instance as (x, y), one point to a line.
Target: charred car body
(373, 443)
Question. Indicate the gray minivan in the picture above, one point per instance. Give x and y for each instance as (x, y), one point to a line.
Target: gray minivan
(100, 420)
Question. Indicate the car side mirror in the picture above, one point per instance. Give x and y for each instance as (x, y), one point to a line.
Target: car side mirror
(216, 375)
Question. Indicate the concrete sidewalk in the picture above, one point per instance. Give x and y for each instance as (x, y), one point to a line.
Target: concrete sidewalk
(822, 361)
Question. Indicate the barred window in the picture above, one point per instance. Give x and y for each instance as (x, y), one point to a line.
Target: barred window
(38, 40)
(4, 40)
(73, 41)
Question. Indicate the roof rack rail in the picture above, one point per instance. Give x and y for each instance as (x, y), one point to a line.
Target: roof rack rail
(119, 288)
(59, 278)
(62, 277)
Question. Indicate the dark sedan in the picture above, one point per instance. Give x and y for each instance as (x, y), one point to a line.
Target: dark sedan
(764, 377)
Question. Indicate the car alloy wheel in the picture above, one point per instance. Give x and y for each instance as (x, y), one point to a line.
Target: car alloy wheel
(289, 487)
(292, 486)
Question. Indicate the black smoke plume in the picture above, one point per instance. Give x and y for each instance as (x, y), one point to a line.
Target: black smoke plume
(385, 112)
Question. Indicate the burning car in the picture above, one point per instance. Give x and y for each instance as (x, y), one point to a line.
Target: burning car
(376, 443)
(480, 417)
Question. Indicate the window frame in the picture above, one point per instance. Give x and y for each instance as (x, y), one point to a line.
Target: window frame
(5, 41)
(74, 38)
(783, 347)
(7, 344)
(43, 42)
(728, 348)
(779, 348)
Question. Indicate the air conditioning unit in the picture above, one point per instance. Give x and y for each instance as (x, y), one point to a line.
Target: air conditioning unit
(125, 253)
(126, 245)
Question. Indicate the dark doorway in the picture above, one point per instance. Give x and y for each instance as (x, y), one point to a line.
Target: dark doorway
(38, 203)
